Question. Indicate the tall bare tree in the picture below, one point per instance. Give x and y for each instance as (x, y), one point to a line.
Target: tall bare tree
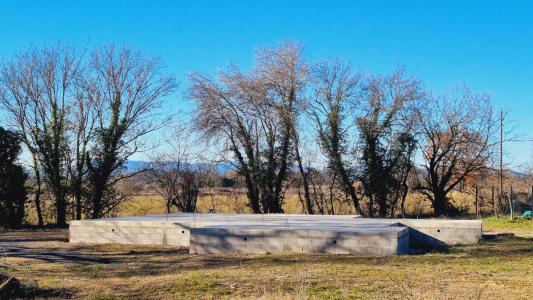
(37, 89)
(253, 115)
(80, 133)
(331, 107)
(284, 72)
(125, 90)
(459, 141)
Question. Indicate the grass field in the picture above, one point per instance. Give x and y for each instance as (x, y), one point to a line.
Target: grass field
(520, 226)
(229, 201)
(499, 268)
(221, 202)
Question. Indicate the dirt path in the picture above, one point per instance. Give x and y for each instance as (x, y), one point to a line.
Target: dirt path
(48, 245)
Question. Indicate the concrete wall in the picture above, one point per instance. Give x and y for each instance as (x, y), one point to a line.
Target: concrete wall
(429, 232)
(297, 240)
(128, 232)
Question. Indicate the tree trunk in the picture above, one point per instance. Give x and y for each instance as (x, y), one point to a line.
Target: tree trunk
(55, 181)
(252, 193)
(307, 196)
(348, 187)
(331, 187)
(61, 209)
(168, 205)
(440, 203)
(77, 197)
(37, 198)
(382, 202)
(370, 206)
(404, 196)
(275, 205)
(98, 193)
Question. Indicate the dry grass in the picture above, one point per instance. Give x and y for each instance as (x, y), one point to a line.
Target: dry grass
(49, 266)
(224, 200)
(220, 200)
(227, 201)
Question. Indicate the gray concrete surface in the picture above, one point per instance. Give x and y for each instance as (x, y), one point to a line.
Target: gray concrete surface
(368, 240)
(274, 233)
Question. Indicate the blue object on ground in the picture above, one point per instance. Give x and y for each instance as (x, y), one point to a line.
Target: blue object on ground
(527, 214)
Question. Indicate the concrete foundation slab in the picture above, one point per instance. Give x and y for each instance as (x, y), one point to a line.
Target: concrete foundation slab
(275, 233)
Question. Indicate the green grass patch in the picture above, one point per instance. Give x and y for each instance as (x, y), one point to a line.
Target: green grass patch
(104, 296)
(325, 291)
(198, 284)
(505, 224)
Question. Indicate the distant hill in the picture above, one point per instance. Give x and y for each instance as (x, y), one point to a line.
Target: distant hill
(136, 165)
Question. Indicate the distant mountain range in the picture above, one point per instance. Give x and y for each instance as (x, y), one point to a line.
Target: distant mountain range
(223, 168)
(136, 165)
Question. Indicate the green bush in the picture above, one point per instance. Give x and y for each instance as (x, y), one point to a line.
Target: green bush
(13, 193)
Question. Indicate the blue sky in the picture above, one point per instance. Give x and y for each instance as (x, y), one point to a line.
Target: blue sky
(485, 44)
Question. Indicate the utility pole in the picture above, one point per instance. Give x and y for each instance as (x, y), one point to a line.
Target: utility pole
(501, 156)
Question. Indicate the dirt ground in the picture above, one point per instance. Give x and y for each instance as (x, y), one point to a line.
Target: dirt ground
(48, 266)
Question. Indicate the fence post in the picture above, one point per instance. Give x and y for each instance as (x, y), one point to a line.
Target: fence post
(511, 202)
(477, 204)
(494, 205)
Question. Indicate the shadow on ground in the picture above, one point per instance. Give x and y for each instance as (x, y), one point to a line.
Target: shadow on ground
(12, 288)
(125, 261)
(501, 245)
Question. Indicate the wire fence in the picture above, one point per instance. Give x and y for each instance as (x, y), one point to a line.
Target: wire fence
(491, 200)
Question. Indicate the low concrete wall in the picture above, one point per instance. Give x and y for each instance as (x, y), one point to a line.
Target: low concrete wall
(129, 232)
(430, 232)
(377, 241)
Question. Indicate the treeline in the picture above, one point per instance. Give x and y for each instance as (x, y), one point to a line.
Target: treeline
(82, 114)
(368, 128)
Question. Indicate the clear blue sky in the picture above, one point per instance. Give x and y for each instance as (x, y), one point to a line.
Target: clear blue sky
(485, 44)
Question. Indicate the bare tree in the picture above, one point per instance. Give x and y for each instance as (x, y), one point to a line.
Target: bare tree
(323, 190)
(285, 72)
(459, 141)
(178, 180)
(37, 88)
(15, 108)
(80, 133)
(125, 90)
(253, 115)
(334, 98)
(223, 112)
(179, 183)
